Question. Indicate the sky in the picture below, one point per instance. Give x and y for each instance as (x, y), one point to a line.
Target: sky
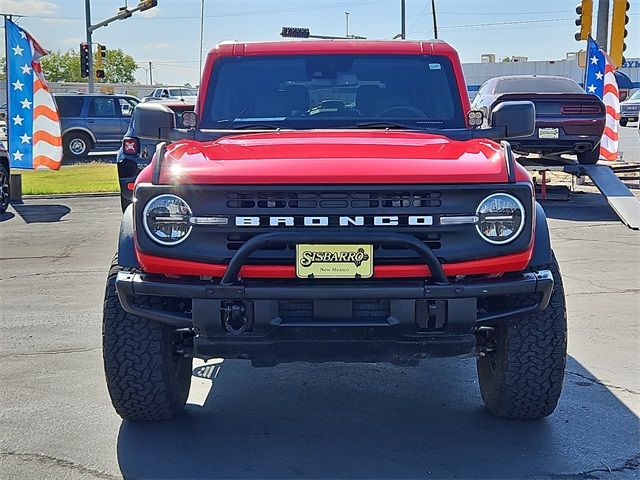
(168, 35)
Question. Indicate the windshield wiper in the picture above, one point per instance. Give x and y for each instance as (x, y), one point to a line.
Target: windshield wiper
(391, 125)
(258, 126)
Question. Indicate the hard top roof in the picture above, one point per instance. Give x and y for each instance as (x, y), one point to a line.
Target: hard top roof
(318, 47)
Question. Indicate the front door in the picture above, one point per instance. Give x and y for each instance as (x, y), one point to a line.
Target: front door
(103, 119)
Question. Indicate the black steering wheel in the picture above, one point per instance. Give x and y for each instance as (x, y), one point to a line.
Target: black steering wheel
(401, 108)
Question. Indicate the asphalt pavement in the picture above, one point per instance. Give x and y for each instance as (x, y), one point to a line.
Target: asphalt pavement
(301, 420)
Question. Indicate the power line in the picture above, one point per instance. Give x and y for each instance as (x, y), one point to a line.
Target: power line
(324, 6)
(513, 22)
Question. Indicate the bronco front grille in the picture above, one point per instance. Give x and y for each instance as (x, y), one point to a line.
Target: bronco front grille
(334, 200)
(362, 203)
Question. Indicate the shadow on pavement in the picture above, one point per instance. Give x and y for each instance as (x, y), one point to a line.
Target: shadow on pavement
(6, 216)
(376, 421)
(41, 213)
(582, 207)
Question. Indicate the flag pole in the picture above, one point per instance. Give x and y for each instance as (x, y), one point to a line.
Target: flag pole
(6, 72)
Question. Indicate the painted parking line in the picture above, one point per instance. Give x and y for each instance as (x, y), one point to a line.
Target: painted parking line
(202, 378)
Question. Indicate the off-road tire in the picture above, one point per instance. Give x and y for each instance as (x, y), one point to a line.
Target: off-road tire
(4, 188)
(589, 158)
(145, 378)
(71, 150)
(522, 377)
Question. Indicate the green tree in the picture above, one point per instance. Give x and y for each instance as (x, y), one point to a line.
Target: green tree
(65, 67)
(120, 67)
(62, 66)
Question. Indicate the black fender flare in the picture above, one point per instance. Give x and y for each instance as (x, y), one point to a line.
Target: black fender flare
(542, 241)
(126, 244)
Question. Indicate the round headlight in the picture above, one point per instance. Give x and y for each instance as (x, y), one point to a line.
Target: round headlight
(500, 218)
(166, 219)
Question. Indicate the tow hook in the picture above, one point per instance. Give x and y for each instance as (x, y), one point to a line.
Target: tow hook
(234, 318)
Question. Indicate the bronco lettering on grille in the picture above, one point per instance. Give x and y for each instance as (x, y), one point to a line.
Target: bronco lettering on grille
(338, 221)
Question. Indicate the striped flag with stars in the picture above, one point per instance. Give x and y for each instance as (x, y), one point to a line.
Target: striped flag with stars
(601, 81)
(33, 124)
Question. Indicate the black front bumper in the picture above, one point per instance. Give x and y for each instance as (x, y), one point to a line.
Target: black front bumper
(300, 320)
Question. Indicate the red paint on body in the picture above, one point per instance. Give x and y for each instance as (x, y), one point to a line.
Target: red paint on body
(495, 265)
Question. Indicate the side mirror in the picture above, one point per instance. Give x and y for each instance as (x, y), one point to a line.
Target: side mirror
(517, 118)
(153, 121)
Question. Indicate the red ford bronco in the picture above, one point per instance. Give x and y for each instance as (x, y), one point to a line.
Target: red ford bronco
(334, 201)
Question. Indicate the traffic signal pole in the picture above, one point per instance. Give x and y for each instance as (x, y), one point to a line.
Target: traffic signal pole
(123, 12)
(602, 23)
(87, 11)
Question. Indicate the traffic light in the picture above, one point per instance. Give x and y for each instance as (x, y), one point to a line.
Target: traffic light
(619, 22)
(585, 16)
(147, 4)
(294, 32)
(84, 60)
(101, 54)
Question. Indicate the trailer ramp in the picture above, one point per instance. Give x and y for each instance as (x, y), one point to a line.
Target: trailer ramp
(620, 198)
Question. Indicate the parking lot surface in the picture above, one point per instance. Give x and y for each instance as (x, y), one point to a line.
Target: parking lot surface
(301, 420)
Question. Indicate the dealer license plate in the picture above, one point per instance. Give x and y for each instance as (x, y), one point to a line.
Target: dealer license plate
(334, 261)
(548, 133)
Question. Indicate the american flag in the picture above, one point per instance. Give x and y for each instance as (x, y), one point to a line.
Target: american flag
(601, 81)
(33, 123)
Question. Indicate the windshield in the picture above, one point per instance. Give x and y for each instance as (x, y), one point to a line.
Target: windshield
(538, 85)
(179, 92)
(333, 91)
(635, 96)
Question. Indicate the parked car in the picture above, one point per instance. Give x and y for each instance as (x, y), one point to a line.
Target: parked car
(568, 120)
(183, 94)
(135, 153)
(93, 121)
(3, 130)
(332, 203)
(3, 111)
(630, 109)
(5, 171)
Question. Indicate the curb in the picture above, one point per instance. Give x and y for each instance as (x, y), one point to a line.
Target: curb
(72, 195)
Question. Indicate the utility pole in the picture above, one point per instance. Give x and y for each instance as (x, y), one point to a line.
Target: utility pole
(403, 19)
(346, 15)
(435, 19)
(150, 74)
(201, 33)
(602, 33)
(87, 11)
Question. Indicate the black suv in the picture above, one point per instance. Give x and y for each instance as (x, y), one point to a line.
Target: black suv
(135, 153)
(93, 121)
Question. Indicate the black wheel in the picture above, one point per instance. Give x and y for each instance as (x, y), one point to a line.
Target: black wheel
(4, 188)
(146, 378)
(521, 377)
(76, 145)
(623, 122)
(589, 158)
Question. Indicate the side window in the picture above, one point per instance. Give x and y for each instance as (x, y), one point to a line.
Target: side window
(103, 107)
(69, 106)
(157, 93)
(126, 107)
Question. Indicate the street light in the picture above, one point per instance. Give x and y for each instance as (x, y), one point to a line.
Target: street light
(123, 12)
